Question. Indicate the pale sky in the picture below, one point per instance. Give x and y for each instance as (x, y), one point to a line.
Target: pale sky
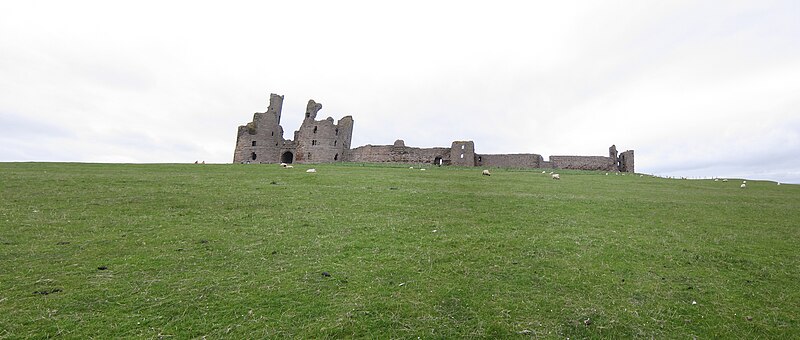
(696, 88)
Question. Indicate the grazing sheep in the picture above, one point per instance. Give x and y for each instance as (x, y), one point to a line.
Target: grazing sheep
(724, 179)
(606, 174)
(411, 167)
(744, 182)
(779, 183)
(311, 170)
(421, 169)
(555, 176)
(544, 172)
(716, 179)
(486, 173)
(641, 175)
(289, 167)
(743, 186)
(284, 164)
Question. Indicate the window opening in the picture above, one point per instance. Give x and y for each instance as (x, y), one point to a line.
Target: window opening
(336, 157)
(254, 143)
(315, 129)
(253, 156)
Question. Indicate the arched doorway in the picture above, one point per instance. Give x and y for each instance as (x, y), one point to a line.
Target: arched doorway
(437, 161)
(287, 157)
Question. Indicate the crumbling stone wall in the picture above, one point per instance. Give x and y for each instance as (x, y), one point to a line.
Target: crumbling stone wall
(583, 163)
(526, 160)
(399, 153)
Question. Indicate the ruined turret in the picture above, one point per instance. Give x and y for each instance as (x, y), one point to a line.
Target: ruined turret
(312, 108)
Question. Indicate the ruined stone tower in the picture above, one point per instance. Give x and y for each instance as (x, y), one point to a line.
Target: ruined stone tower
(261, 141)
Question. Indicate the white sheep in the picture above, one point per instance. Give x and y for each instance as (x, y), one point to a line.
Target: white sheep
(743, 186)
(606, 174)
(555, 176)
(284, 164)
(311, 170)
(421, 169)
(411, 167)
(544, 172)
(486, 173)
(289, 167)
(716, 179)
(779, 183)
(724, 179)
(744, 182)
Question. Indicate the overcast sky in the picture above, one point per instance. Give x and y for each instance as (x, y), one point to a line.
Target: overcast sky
(696, 88)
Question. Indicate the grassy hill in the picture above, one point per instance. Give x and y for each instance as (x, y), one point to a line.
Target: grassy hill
(253, 251)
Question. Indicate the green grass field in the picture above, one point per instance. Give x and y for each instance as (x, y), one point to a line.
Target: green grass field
(239, 251)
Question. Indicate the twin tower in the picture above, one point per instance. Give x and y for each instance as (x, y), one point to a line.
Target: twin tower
(317, 141)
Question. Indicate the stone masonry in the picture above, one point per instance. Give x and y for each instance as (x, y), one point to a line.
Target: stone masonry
(323, 141)
(317, 141)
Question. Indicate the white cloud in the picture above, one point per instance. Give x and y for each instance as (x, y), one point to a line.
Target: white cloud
(692, 86)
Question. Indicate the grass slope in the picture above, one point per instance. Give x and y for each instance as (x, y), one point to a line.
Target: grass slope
(239, 250)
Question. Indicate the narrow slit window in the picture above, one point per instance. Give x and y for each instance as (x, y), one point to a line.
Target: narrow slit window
(254, 143)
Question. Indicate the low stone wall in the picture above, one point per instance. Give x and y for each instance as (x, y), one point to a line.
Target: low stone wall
(397, 154)
(524, 160)
(583, 163)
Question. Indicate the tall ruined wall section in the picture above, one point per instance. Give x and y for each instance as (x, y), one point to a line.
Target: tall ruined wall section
(322, 141)
(261, 140)
(398, 153)
(527, 160)
(626, 161)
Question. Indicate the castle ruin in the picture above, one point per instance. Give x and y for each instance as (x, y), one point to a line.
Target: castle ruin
(323, 141)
